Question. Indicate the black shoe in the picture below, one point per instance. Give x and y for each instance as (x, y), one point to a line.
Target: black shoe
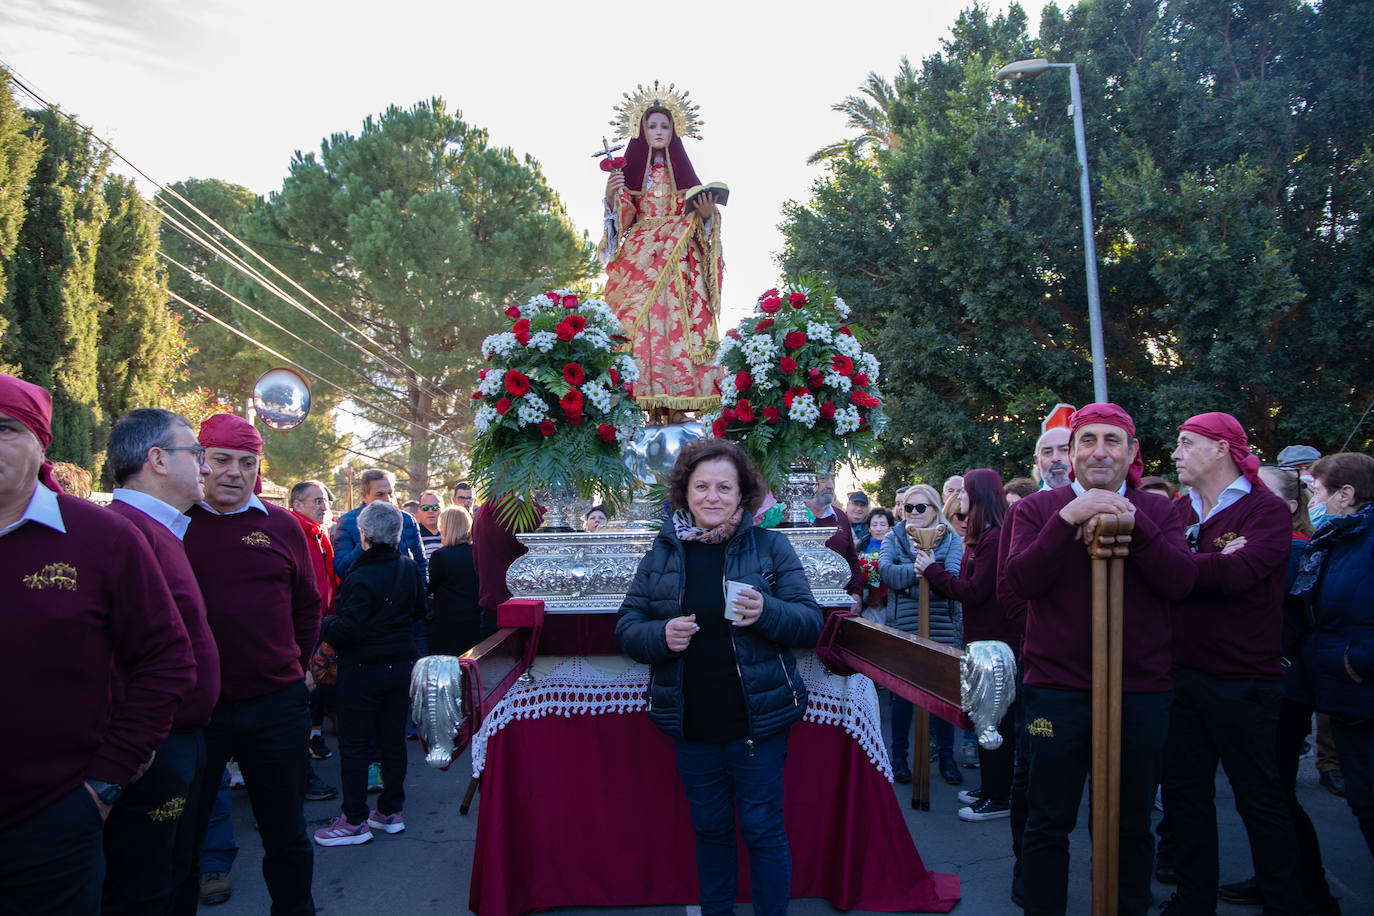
(1334, 782)
(317, 789)
(901, 773)
(1018, 891)
(215, 888)
(950, 771)
(318, 749)
(1165, 873)
(1245, 893)
(1328, 908)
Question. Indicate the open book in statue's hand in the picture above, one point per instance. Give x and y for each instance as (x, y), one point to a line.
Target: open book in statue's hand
(719, 189)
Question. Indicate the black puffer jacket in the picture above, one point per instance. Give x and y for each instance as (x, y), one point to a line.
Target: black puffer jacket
(379, 600)
(773, 691)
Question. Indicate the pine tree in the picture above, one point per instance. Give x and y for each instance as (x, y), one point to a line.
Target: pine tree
(18, 158)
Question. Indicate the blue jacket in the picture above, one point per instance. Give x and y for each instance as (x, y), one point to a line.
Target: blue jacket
(897, 570)
(774, 693)
(347, 547)
(1335, 588)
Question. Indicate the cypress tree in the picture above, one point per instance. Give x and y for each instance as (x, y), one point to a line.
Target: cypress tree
(18, 157)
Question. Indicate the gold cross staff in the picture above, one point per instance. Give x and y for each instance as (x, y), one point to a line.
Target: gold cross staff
(607, 149)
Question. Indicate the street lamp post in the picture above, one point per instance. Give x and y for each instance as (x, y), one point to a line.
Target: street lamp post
(1027, 69)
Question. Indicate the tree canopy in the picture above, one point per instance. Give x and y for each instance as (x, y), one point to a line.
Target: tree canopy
(1229, 150)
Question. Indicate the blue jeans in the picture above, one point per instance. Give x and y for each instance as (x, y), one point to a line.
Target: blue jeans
(723, 780)
(219, 849)
(941, 732)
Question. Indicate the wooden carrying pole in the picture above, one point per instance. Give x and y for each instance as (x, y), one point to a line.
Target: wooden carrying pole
(923, 539)
(1108, 549)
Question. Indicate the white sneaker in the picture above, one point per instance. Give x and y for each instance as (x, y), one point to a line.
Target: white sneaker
(387, 823)
(341, 833)
(971, 796)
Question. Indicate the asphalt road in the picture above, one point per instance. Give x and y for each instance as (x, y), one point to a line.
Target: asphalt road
(427, 868)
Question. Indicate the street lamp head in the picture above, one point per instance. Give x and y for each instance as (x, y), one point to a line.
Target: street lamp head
(1024, 69)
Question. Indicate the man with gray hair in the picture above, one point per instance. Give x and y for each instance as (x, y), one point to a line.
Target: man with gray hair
(375, 485)
(1052, 458)
(158, 468)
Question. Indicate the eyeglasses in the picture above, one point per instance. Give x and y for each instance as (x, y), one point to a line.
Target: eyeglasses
(1190, 534)
(429, 507)
(197, 451)
(959, 516)
(917, 508)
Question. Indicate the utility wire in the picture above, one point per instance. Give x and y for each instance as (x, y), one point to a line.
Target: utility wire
(1357, 426)
(381, 356)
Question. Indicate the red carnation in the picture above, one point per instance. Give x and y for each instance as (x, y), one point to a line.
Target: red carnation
(517, 384)
(743, 380)
(788, 365)
(797, 300)
(763, 325)
(769, 294)
(844, 329)
(502, 406)
(815, 378)
(771, 304)
(842, 364)
(861, 379)
(572, 402)
(579, 324)
(575, 419)
(573, 374)
(512, 313)
(565, 331)
(730, 413)
(629, 388)
(718, 427)
(570, 301)
(546, 427)
(606, 431)
(745, 410)
(523, 325)
(607, 165)
(795, 340)
(620, 338)
(772, 415)
(790, 394)
(863, 399)
(615, 377)
(477, 395)
(828, 410)
(552, 297)
(619, 162)
(482, 376)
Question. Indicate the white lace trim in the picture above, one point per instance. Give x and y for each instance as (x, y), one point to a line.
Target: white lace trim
(576, 686)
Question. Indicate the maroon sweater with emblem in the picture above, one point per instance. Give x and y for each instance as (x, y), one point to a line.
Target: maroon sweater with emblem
(76, 606)
(976, 589)
(199, 702)
(1231, 625)
(258, 580)
(1048, 567)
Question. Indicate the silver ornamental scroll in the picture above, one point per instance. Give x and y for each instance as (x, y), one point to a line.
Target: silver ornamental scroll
(987, 688)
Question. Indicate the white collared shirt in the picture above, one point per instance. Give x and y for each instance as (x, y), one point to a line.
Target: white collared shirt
(42, 509)
(1234, 492)
(1079, 491)
(159, 511)
(253, 503)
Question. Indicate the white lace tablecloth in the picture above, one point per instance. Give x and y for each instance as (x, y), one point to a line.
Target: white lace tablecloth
(591, 686)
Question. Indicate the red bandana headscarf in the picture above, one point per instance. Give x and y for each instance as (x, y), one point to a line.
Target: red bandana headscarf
(31, 405)
(225, 430)
(1114, 416)
(1225, 428)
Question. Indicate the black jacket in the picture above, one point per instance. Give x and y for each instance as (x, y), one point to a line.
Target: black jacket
(773, 690)
(378, 602)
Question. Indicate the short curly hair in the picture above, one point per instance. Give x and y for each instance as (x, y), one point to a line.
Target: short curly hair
(751, 485)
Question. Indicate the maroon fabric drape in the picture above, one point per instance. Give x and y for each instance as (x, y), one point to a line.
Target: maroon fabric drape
(589, 811)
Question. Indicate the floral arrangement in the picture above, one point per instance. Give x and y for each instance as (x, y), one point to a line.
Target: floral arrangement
(557, 402)
(798, 387)
(868, 563)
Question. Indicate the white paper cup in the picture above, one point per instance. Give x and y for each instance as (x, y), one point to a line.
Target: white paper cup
(733, 610)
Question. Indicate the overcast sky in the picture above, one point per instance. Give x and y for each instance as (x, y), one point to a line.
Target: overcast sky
(211, 89)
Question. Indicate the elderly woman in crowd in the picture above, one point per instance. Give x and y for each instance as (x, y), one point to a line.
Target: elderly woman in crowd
(1335, 590)
(456, 622)
(723, 681)
(380, 599)
(897, 569)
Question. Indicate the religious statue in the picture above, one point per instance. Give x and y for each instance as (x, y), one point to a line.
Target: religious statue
(662, 254)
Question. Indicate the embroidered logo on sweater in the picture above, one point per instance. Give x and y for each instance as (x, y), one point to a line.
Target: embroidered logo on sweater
(257, 539)
(54, 575)
(1041, 728)
(1224, 539)
(169, 810)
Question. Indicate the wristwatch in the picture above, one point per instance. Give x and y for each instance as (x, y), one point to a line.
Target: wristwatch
(107, 792)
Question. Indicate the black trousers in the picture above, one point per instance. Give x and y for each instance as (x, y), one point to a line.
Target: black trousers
(52, 863)
(1295, 724)
(267, 735)
(151, 830)
(996, 766)
(374, 704)
(1059, 731)
(1234, 723)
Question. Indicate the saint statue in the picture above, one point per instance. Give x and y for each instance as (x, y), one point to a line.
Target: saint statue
(662, 256)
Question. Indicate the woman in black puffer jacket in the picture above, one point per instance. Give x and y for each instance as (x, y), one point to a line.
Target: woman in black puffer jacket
(380, 599)
(727, 691)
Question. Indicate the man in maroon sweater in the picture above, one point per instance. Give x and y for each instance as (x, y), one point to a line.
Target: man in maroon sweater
(494, 548)
(157, 464)
(256, 574)
(1047, 565)
(1228, 669)
(82, 597)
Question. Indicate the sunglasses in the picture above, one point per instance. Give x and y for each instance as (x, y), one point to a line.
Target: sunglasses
(959, 516)
(917, 508)
(427, 507)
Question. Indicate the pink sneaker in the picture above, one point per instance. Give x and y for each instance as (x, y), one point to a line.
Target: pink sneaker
(387, 823)
(341, 833)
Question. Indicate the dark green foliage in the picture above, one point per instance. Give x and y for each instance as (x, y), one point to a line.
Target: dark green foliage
(19, 151)
(1230, 156)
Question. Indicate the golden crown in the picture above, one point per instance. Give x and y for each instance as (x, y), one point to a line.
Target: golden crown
(631, 111)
